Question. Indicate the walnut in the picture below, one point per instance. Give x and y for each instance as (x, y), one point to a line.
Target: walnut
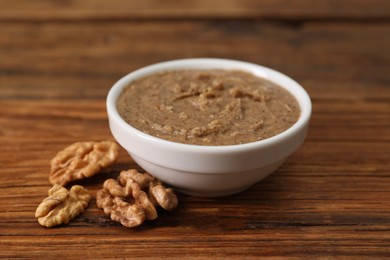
(165, 197)
(81, 160)
(133, 198)
(62, 205)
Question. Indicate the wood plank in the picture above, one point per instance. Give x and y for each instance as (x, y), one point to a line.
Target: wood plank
(315, 245)
(67, 69)
(23, 10)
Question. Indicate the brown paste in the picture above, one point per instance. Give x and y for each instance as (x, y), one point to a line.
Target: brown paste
(208, 107)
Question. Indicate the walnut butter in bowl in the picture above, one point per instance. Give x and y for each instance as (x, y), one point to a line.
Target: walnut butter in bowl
(208, 127)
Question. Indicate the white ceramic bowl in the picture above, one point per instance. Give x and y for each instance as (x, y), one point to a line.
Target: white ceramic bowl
(209, 171)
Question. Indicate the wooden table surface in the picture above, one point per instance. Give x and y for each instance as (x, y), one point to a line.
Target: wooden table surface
(330, 199)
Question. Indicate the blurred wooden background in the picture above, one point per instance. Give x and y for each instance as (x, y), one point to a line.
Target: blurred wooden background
(331, 199)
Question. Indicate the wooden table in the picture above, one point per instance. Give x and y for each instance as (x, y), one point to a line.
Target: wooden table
(331, 198)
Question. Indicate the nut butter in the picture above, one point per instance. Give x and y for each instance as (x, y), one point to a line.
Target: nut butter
(208, 107)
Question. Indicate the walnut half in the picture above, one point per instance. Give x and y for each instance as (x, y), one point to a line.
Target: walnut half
(81, 160)
(133, 198)
(62, 205)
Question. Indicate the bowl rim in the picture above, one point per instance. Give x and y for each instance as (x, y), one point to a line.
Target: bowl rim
(212, 63)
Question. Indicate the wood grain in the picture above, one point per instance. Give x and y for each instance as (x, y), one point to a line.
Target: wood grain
(329, 200)
(199, 9)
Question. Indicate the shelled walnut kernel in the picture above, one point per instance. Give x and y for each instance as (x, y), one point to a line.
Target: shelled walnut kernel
(62, 205)
(81, 160)
(133, 198)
